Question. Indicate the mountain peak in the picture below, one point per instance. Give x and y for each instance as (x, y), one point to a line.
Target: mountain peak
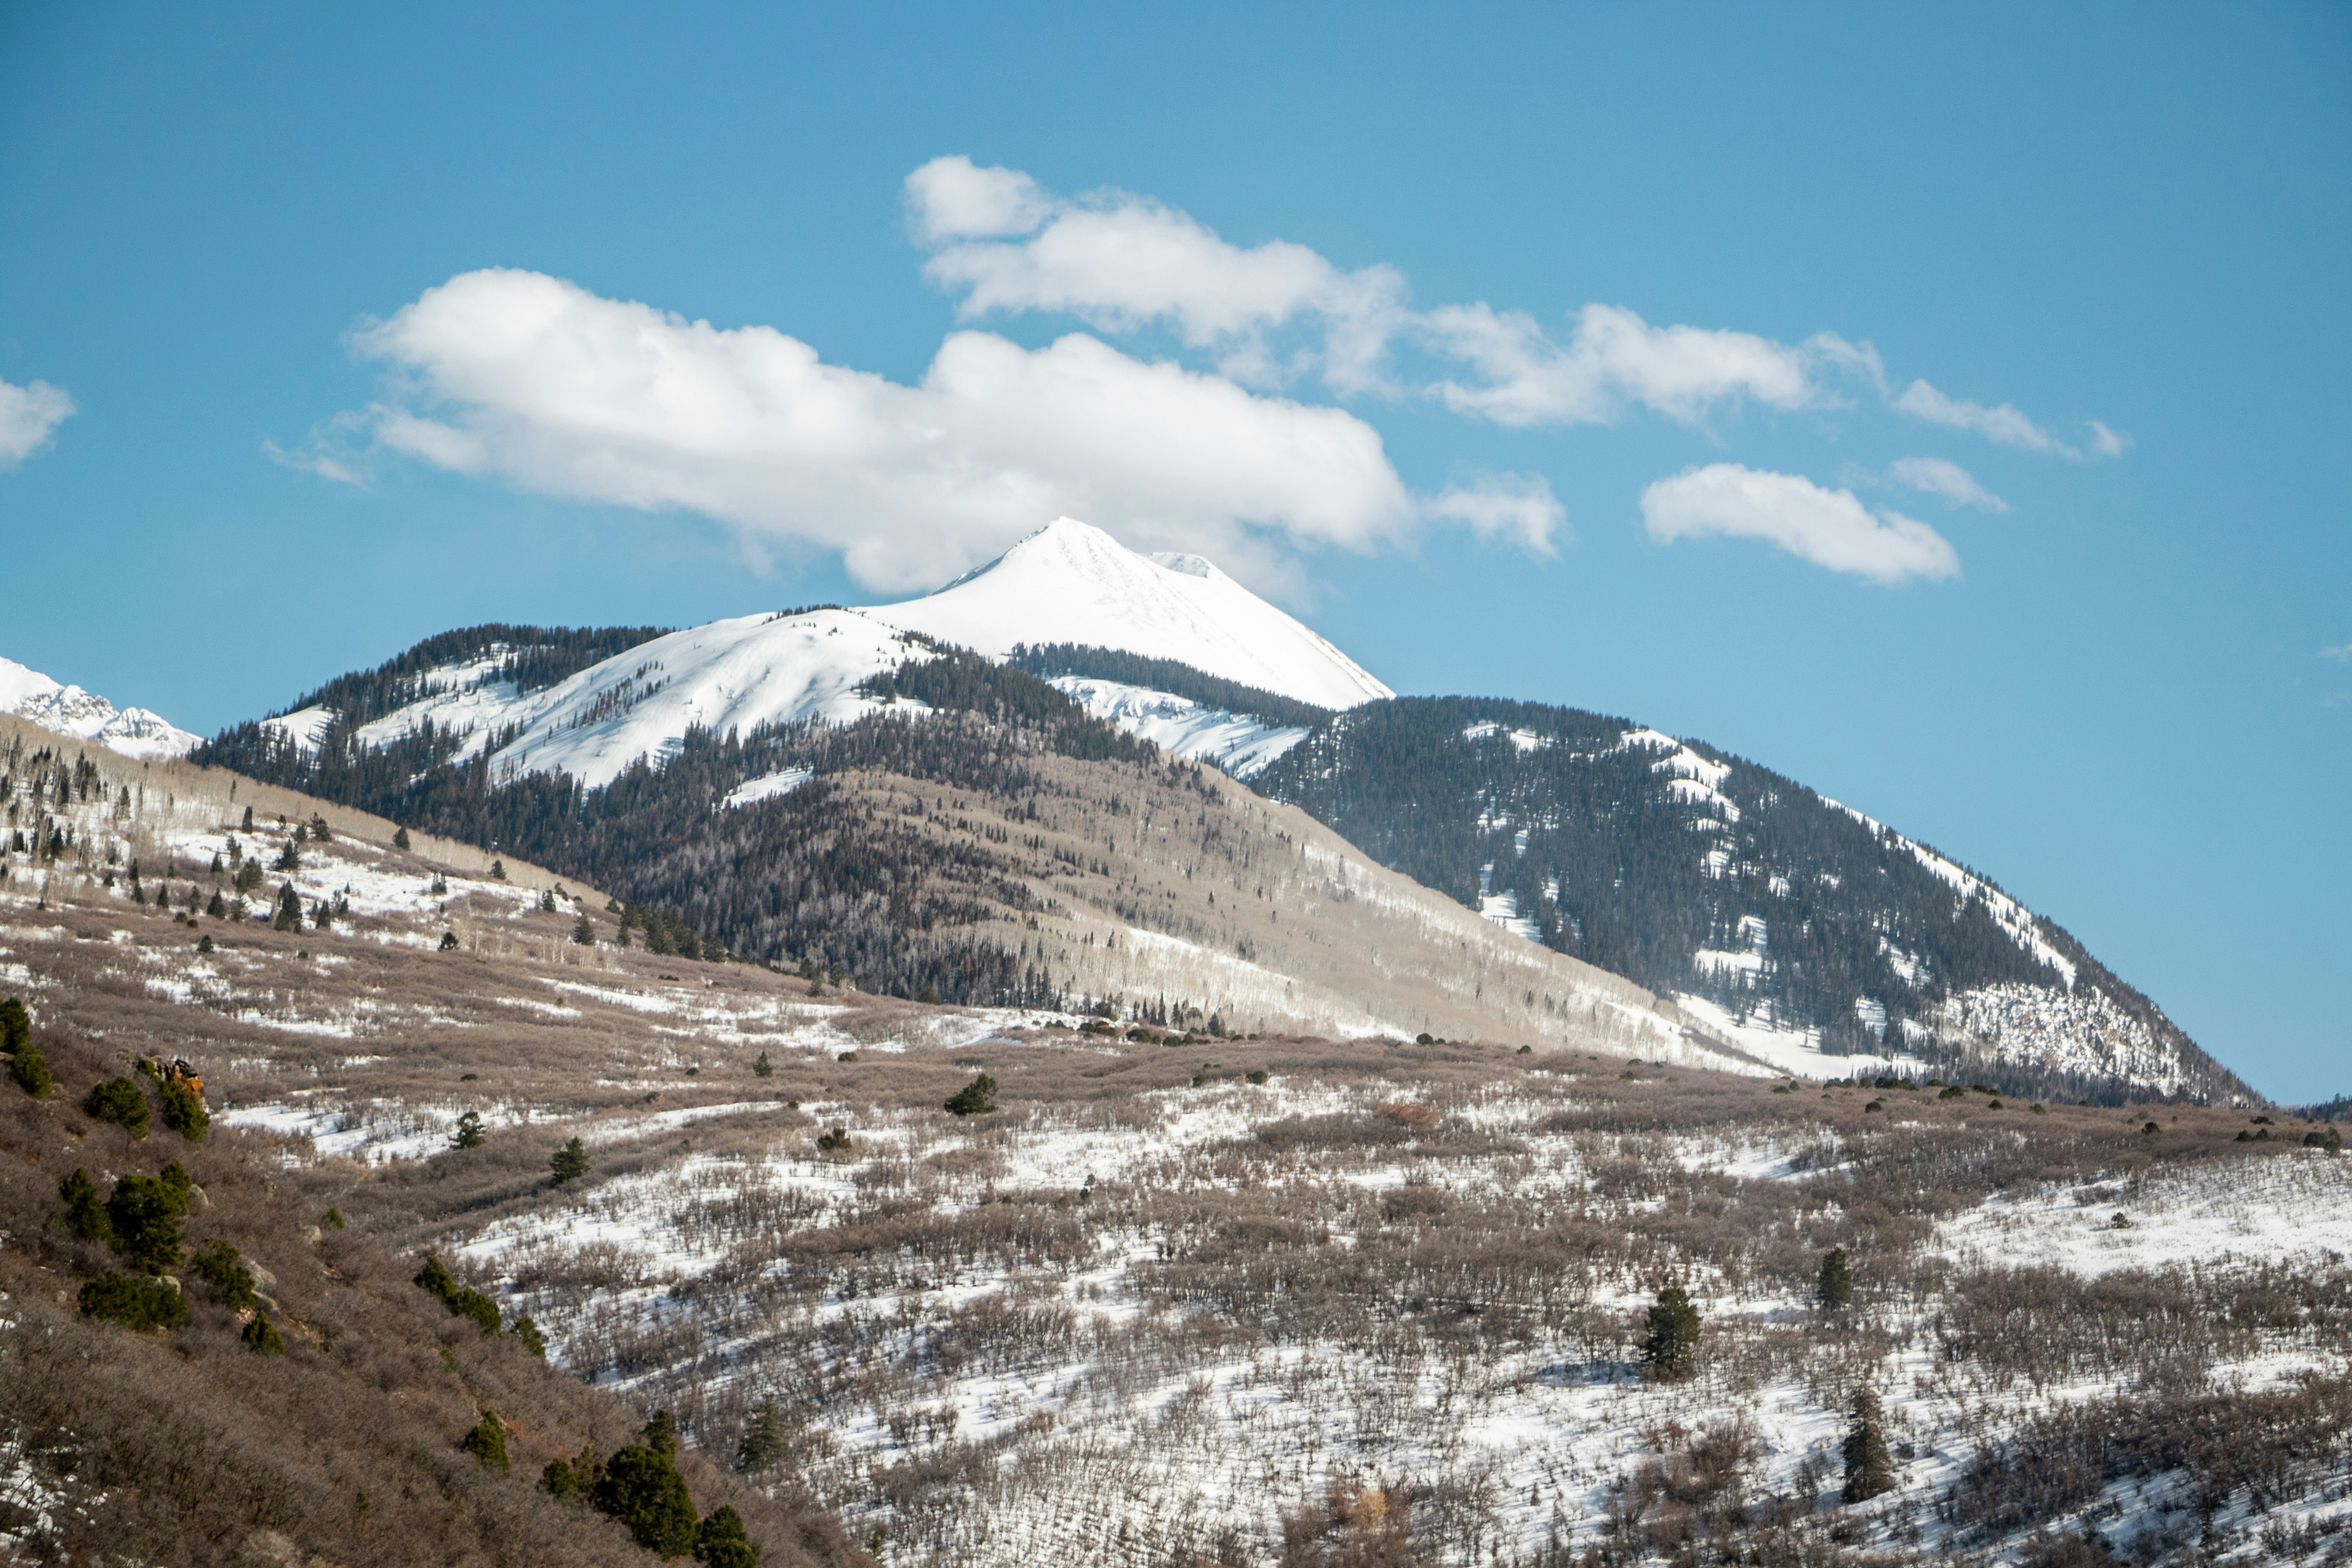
(86, 716)
(1070, 581)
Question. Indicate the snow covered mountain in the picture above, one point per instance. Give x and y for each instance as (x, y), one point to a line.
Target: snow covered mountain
(87, 716)
(1067, 582)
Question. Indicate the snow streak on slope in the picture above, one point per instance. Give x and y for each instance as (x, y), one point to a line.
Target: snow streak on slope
(1240, 743)
(1069, 583)
(87, 716)
(727, 675)
(2024, 928)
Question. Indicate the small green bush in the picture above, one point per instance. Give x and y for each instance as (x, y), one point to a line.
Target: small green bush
(722, 1542)
(215, 1263)
(184, 1111)
(488, 1443)
(570, 1163)
(533, 1339)
(470, 1303)
(145, 1212)
(262, 1338)
(134, 1302)
(119, 1101)
(85, 1213)
(26, 1066)
(642, 1488)
(977, 1098)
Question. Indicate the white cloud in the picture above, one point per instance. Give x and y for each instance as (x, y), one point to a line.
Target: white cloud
(1519, 506)
(1936, 477)
(28, 415)
(1830, 527)
(2108, 443)
(2341, 655)
(555, 389)
(1119, 262)
(1614, 357)
(2004, 426)
(953, 198)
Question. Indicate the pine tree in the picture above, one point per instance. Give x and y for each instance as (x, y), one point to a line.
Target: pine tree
(247, 826)
(1670, 1341)
(722, 1542)
(497, 871)
(400, 838)
(448, 942)
(145, 1212)
(183, 1111)
(26, 1065)
(289, 910)
(85, 1216)
(289, 858)
(763, 1439)
(570, 1163)
(1835, 1290)
(488, 1443)
(119, 1101)
(583, 931)
(262, 1338)
(1868, 1468)
(528, 1333)
(470, 1133)
(641, 1487)
(977, 1098)
(547, 901)
(762, 1067)
(217, 909)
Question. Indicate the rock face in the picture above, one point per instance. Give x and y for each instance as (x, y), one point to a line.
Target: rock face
(87, 716)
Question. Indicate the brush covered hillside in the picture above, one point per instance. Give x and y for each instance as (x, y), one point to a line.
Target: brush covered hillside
(1010, 1286)
(207, 1353)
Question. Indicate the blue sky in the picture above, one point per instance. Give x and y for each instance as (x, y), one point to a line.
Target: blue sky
(251, 248)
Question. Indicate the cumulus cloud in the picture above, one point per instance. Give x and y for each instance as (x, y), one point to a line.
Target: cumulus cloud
(537, 381)
(1119, 262)
(1513, 507)
(1830, 527)
(29, 414)
(1948, 480)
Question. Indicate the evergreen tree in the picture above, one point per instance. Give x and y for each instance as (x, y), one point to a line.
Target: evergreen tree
(26, 1065)
(215, 1263)
(289, 858)
(1835, 1290)
(134, 1302)
(764, 1067)
(1868, 1468)
(400, 838)
(547, 901)
(497, 871)
(977, 1098)
(145, 1213)
(434, 1280)
(247, 826)
(183, 1111)
(570, 1163)
(533, 1339)
(290, 909)
(319, 829)
(216, 908)
(119, 1101)
(261, 1337)
(85, 1213)
(470, 1133)
(1670, 1340)
(583, 931)
(763, 1439)
(488, 1443)
(642, 1488)
(722, 1542)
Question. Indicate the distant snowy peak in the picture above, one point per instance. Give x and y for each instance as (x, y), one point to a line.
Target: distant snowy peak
(86, 716)
(1072, 583)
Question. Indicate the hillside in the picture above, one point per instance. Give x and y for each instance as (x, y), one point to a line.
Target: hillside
(1802, 929)
(1174, 1299)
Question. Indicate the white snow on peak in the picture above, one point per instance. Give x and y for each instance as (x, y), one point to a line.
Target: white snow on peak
(2024, 928)
(87, 716)
(1072, 583)
(1240, 743)
(729, 675)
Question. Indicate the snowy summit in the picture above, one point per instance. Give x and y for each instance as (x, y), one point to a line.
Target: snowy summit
(86, 716)
(1072, 583)
(1066, 583)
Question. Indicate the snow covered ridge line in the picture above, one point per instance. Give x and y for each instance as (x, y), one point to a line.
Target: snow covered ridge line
(86, 716)
(2023, 926)
(1067, 582)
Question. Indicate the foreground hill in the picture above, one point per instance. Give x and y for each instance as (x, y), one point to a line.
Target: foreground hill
(1173, 1299)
